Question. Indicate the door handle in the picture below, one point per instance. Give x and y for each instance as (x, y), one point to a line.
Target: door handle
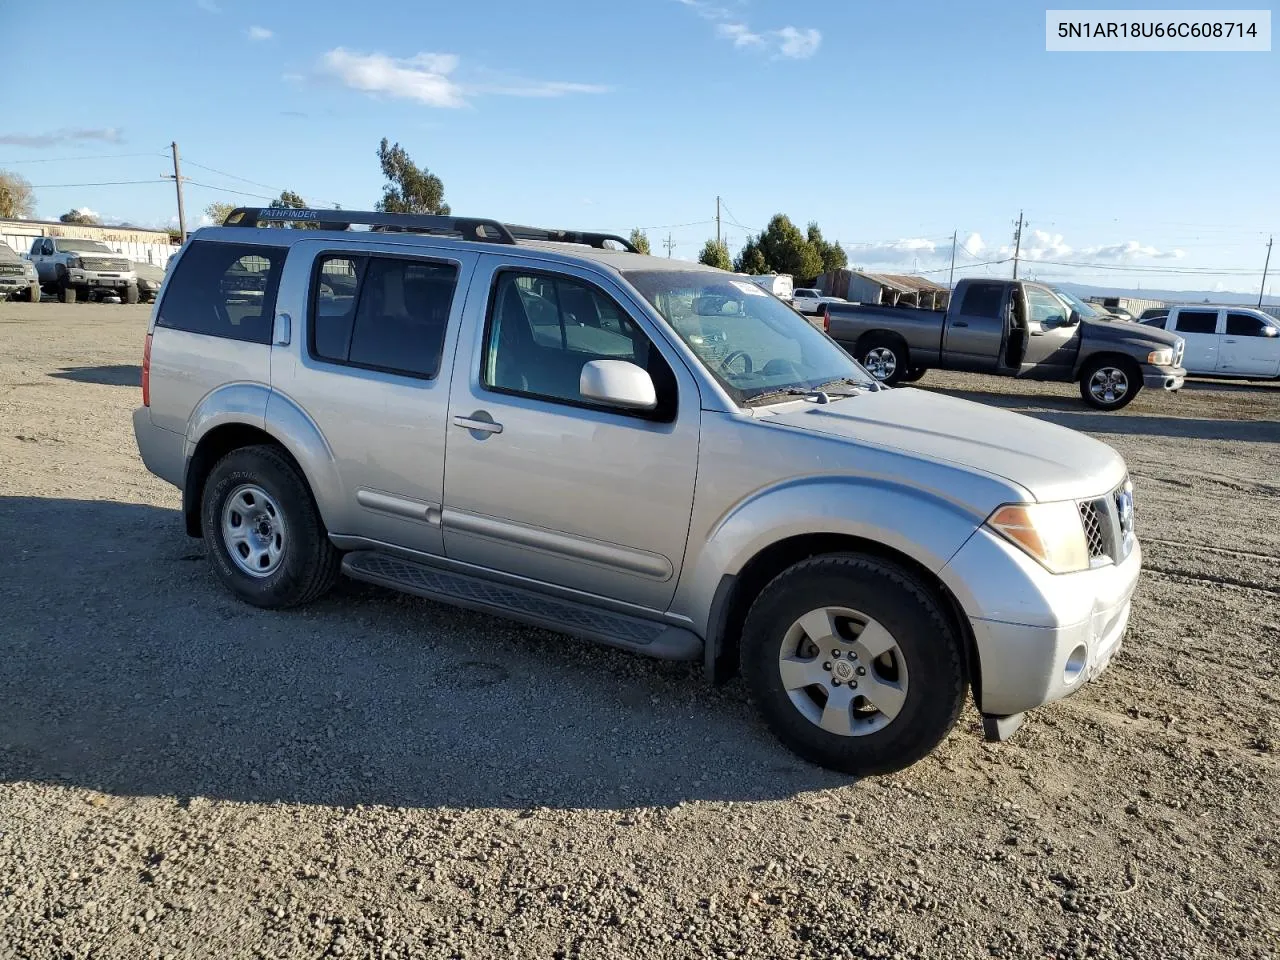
(961, 323)
(1228, 341)
(479, 422)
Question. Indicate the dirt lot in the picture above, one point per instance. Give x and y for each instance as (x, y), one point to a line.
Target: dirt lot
(377, 776)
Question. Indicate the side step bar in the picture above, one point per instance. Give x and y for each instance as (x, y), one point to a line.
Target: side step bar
(612, 629)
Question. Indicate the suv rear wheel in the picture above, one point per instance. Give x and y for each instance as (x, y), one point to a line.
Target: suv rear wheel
(264, 535)
(853, 663)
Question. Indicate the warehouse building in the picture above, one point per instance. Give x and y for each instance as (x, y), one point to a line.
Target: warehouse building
(886, 289)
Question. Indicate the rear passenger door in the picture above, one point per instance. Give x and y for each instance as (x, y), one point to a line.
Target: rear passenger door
(1250, 346)
(370, 365)
(974, 335)
(1199, 328)
(542, 485)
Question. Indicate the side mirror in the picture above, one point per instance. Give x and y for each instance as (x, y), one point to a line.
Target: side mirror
(1074, 318)
(617, 383)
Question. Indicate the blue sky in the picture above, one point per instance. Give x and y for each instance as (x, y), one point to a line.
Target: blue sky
(891, 124)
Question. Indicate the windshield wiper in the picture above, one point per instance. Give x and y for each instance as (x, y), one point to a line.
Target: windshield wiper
(812, 393)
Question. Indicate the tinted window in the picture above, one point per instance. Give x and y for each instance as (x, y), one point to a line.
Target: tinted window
(1245, 325)
(1198, 321)
(224, 290)
(1155, 321)
(543, 329)
(382, 312)
(983, 300)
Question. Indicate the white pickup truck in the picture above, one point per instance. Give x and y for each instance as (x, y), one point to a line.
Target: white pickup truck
(1236, 342)
(75, 269)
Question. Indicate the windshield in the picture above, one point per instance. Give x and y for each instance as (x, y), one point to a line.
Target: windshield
(1086, 310)
(84, 246)
(751, 342)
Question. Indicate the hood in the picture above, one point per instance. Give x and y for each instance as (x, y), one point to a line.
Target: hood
(147, 271)
(1048, 461)
(1120, 332)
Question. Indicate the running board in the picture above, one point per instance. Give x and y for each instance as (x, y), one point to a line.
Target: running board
(636, 634)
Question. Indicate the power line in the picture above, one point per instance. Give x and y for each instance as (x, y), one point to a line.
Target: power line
(232, 176)
(100, 183)
(95, 156)
(241, 193)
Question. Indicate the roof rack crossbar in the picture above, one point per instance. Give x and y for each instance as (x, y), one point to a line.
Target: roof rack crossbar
(469, 228)
(587, 237)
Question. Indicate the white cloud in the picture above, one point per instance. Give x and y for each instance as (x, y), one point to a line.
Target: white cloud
(429, 78)
(740, 34)
(798, 44)
(86, 212)
(65, 135)
(974, 245)
(894, 252)
(259, 33)
(1039, 245)
(1132, 250)
(208, 6)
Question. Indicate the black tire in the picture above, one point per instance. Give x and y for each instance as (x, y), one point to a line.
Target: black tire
(1113, 369)
(33, 293)
(929, 645)
(309, 565)
(66, 293)
(130, 294)
(913, 374)
(885, 357)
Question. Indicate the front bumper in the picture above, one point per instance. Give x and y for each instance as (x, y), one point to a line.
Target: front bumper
(1039, 636)
(100, 281)
(16, 283)
(1165, 378)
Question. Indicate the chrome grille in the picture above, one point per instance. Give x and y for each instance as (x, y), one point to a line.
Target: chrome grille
(106, 263)
(11, 269)
(1092, 520)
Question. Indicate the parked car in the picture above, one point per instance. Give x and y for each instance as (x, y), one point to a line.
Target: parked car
(808, 301)
(150, 277)
(646, 453)
(781, 285)
(1153, 316)
(1236, 342)
(75, 269)
(18, 278)
(1010, 328)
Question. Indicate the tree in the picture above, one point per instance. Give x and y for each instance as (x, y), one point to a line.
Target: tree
(218, 211)
(787, 250)
(82, 216)
(640, 240)
(289, 199)
(16, 199)
(832, 254)
(410, 189)
(751, 258)
(715, 253)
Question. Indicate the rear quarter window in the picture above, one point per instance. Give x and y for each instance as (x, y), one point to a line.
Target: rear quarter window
(224, 290)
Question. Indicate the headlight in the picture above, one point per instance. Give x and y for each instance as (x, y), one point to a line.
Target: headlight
(1050, 532)
(74, 263)
(1161, 358)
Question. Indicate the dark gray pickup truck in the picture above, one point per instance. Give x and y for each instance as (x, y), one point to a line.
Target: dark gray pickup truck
(1010, 328)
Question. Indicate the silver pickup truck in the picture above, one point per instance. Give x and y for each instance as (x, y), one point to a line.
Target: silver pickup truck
(646, 453)
(83, 269)
(1010, 328)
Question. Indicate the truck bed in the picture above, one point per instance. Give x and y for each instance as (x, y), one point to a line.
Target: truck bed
(921, 329)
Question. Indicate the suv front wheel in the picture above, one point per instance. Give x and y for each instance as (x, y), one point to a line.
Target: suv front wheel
(264, 535)
(853, 663)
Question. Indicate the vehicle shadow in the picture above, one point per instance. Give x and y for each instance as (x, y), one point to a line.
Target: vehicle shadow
(127, 669)
(110, 375)
(1073, 414)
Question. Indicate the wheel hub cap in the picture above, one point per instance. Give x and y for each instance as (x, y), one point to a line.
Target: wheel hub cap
(253, 530)
(881, 362)
(1109, 384)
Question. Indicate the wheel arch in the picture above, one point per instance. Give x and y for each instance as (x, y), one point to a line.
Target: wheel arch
(865, 340)
(1118, 357)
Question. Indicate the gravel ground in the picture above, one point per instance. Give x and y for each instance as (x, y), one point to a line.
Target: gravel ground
(379, 776)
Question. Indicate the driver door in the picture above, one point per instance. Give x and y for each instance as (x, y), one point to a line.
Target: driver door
(543, 485)
(1249, 347)
(1052, 339)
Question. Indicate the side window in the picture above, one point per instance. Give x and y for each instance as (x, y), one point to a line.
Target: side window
(1197, 321)
(543, 329)
(384, 313)
(983, 300)
(48, 248)
(224, 290)
(1245, 325)
(1045, 308)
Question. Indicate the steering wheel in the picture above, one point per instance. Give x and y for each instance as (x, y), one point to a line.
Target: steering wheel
(747, 365)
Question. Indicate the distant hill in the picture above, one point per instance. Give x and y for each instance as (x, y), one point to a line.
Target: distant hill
(1084, 291)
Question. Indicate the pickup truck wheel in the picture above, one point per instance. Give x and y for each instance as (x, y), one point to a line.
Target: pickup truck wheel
(33, 293)
(130, 294)
(264, 535)
(66, 293)
(1109, 384)
(884, 358)
(853, 664)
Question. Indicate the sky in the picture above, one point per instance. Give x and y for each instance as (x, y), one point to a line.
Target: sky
(893, 125)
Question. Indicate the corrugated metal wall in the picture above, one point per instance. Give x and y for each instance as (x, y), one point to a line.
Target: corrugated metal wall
(145, 246)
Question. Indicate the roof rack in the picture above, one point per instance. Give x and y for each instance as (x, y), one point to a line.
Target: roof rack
(591, 239)
(468, 228)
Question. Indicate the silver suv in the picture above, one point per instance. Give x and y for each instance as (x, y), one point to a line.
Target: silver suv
(644, 452)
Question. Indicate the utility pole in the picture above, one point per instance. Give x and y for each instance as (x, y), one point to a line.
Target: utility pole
(177, 182)
(1265, 265)
(1017, 245)
(669, 245)
(717, 221)
(951, 280)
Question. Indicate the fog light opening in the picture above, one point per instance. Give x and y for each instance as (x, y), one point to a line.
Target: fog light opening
(1076, 662)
